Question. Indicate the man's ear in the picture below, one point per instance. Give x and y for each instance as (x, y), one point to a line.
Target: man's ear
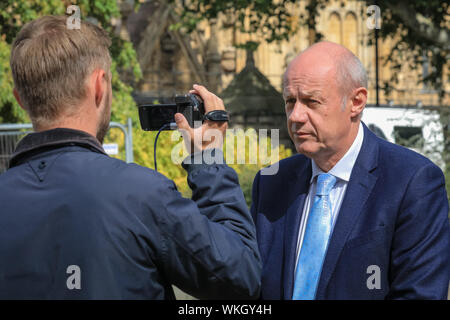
(100, 85)
(359, 100)
(16, 95)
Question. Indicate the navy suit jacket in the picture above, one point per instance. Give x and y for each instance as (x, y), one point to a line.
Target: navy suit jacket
(394, 216)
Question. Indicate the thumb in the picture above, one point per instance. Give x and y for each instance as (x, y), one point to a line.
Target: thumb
(181, 121)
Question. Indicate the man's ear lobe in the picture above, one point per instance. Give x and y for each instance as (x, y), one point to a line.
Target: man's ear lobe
(16, 95)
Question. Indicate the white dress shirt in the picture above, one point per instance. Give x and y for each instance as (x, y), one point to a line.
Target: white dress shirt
(342, 171)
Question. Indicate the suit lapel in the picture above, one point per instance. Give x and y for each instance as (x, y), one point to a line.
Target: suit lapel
(361, 183)
(292, 224)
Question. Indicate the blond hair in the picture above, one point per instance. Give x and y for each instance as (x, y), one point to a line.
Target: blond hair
(50, 64)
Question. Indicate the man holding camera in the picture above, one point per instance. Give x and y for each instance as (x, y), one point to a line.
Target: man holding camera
(77, 224)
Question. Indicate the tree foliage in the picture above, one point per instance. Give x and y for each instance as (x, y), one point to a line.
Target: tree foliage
(15, 14)
(420, 28)
(269, 20)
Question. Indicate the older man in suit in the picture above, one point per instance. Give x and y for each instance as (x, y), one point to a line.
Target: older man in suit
(352, 216)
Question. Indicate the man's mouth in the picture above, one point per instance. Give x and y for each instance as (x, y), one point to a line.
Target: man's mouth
(302, 134)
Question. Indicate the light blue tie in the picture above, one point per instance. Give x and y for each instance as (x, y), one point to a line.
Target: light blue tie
(315, 241)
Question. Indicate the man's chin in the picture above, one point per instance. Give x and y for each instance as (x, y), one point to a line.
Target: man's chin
(306, 148)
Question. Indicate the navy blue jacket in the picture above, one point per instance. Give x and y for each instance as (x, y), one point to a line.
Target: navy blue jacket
(65, 203)
(393, 216)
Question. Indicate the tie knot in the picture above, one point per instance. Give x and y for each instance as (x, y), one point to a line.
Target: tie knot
(325, 182)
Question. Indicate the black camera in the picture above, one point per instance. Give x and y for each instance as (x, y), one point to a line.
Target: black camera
(153, 117)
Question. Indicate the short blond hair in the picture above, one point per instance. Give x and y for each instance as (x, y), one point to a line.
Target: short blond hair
(50, 64)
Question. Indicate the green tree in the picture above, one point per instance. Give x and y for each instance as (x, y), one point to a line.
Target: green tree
(9, 109)
(14, 14)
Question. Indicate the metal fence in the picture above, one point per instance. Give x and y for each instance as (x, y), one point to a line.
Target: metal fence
(10, 135)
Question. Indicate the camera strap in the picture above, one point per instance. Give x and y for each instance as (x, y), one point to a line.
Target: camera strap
(216, 115)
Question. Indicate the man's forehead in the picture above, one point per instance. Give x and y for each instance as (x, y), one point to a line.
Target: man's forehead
(310, 69)
(308, 79)
(305, 82)
(311, 62)
(299, 90)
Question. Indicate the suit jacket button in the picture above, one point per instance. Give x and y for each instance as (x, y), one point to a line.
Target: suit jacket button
(42, 165)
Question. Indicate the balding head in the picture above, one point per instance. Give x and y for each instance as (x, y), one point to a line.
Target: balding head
(340, 62)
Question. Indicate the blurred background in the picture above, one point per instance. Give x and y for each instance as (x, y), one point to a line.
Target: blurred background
(240, 50)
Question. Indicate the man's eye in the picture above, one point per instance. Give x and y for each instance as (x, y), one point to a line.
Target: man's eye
(290, 101)
(312, 101)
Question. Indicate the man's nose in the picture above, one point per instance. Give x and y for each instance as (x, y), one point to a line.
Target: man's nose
(299, 113)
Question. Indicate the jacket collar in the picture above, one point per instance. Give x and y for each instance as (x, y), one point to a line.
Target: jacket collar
(38, 142)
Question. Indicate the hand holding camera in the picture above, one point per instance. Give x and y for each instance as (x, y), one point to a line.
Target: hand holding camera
(210, 134)
(200, 116)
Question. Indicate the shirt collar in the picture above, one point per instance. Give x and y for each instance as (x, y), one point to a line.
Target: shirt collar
(344, 167)
(38, 142)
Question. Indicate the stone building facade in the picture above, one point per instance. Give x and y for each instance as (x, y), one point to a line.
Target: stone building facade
(171, 61)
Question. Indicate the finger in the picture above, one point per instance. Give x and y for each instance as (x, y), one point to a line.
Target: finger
(193, 91)
(207, 97)
(201, 89)
(182, 123)
(211, 101)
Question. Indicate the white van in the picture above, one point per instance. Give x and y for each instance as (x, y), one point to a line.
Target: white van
(417, 128)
